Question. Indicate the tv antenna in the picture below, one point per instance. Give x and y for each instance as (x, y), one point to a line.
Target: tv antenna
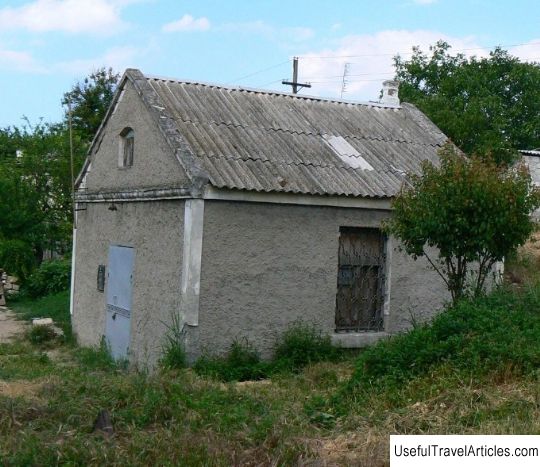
(344, 81)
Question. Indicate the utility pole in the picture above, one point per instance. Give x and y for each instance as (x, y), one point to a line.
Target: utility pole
(294, 83)
(70, 123)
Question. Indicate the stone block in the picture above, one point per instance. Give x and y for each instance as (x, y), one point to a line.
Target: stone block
(42, 322)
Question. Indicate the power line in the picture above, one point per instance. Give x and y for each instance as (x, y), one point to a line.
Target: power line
(349, 74)
(257, 72)
(348, 81)
(309, 57)
(268, 84)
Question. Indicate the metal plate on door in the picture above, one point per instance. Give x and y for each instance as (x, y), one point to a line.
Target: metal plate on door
(119, 311)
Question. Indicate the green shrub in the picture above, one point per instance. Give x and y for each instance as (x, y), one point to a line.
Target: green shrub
(50, 277)
(301, 345)
(241, 363)
(17, 257)
(55, 306)
(41, 334)
(487, 334)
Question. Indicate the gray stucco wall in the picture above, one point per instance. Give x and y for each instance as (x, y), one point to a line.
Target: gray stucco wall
(155, 230)
(267, 265)
(154, 163)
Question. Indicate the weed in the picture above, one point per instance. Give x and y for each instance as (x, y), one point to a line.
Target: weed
(241, 363)
(41, 334)
(96, 358)
(55, 306)
(490, 334)
(173, 351)
(301, 345)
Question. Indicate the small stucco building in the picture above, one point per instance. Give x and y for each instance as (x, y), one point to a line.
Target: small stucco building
(241, 211)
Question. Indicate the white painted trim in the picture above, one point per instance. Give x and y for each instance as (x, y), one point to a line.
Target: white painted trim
(191, 261)
(212, 193)
(72, 286)
(387, 280)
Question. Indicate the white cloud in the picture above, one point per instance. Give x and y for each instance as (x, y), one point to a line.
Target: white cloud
(73, 16)
(529, 51)
(19, 61)
(118, 58)
(371, 61)
(187, 23)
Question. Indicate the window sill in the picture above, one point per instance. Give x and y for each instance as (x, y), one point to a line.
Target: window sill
(355, 340)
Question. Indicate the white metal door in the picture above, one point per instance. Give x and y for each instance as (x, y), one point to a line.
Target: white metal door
(119, 292)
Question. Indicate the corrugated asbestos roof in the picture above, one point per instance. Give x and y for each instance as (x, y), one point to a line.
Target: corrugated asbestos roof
(530, 152)
(264, 141)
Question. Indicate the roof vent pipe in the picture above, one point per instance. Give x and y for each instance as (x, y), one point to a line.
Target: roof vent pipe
(390, 92)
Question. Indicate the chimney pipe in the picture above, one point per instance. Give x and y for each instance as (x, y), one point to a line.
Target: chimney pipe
(390, 92)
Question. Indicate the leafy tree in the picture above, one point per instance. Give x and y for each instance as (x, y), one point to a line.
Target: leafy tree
(35, 176)
(90, 100)
(35, 184)
(487, 106)
(473, 211)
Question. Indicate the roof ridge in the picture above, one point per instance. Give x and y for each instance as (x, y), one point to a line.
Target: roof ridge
(273, 92)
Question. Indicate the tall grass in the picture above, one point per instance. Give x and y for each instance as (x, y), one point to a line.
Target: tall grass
(496, 333)
(55, 306)
(299, 346)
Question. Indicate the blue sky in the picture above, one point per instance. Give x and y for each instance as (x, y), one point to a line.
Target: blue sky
(48, 45)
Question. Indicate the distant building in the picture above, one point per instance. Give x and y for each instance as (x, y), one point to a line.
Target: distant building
(531, 158)
(242, 211)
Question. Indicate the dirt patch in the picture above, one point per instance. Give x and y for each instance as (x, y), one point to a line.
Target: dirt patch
(532, 247)
(20, 388)
(522, 268)
(368, 449)
(260, 382)
(10, 326)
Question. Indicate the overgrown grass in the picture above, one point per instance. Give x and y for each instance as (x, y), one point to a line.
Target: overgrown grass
(55, 306)
(41, 334)
(169, 418)
(173, 351)
(302, 344)
(473, 371)
(241, 363)
(495, 335)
